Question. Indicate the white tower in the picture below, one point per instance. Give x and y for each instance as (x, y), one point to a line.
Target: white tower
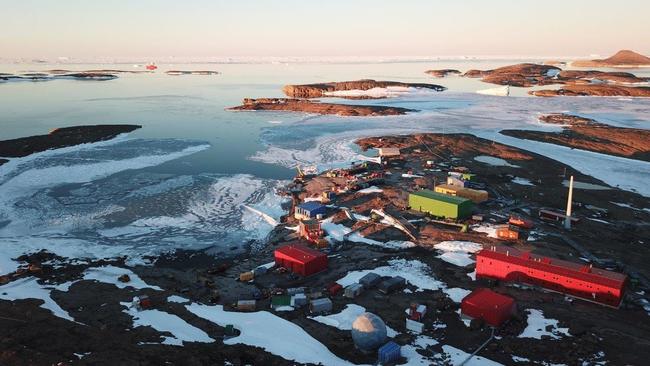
(567, 221)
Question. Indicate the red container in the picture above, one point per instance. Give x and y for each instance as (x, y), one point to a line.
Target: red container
(300, 259)
(334, 289)
(494, 308)
(582, 281)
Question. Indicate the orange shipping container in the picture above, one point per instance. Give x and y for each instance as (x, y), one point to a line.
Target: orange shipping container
(504, 232)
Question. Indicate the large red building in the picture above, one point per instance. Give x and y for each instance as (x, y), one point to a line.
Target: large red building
(300, 259)
(583, 281)
(494, 308)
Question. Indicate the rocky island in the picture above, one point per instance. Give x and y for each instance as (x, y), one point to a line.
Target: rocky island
(595, 76)
(521, 75)
(623, 59)
(39, 76)
(308, 106)
(441, 73)
(61, 137)
(588, 134)
(337, 89)
(589, 90)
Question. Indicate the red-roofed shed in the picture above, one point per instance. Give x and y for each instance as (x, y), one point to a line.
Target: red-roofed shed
(300, 259)
(494, 308)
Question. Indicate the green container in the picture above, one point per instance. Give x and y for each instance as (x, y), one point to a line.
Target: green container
(441, 205)
(280, 300)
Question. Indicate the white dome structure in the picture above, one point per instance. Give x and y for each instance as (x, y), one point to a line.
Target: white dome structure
(368, 332)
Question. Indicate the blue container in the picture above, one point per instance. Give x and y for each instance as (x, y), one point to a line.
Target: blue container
(389, 352)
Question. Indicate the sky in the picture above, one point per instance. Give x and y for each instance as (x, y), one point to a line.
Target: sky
(310, 28)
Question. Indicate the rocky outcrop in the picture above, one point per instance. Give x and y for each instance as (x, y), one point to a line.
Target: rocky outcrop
(87, 76)
(308, 106)
(442, 72)
(588, 134)
(601, 90)
(522, 75)
(591, 76)
(38, 76)
(320, 90)
(62, 137)
(623, 58)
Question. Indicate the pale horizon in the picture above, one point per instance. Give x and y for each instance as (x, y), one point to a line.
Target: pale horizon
(201, 29)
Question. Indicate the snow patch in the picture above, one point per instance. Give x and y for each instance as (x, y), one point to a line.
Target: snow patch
(110, 274)
(538, 325)
(270, 332)
(164, 322)
(29, 288)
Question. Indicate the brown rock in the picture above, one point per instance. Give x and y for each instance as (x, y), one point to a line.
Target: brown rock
(522, 75)
(320, 89)
(301, 105)
(441, 73)
(623, 58)
(124, 278)
(587, 134)
(601, 90)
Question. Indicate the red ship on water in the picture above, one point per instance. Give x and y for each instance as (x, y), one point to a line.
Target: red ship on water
(151, 67)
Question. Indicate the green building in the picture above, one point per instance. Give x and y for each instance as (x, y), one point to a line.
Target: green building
(441, 205)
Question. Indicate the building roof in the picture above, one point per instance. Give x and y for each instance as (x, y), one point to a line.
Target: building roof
(557, 266)
(426, 193)
(486, 298)
(300, 253)
(311, 205)
(384, 151)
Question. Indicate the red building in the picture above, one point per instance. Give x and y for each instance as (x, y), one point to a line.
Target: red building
(300, 259)
(583, 281)
(494, 308)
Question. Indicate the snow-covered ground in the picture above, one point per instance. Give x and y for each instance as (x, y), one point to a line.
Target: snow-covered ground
(164, 322)
(29, 288)
(538, 325)
(343, 320)
(522, 181)
(337, 232)
(494, 161)
(387, 92)
(270, 332)
(457, 252)
(110, 274)
(457, 356)
(414, 272)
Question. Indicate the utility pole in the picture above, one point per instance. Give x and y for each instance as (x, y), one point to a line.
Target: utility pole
(567, 220)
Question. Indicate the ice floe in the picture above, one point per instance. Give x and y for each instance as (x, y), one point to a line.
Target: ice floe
(270, 332)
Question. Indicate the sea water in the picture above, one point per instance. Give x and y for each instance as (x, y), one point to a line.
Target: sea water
(197, 176)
